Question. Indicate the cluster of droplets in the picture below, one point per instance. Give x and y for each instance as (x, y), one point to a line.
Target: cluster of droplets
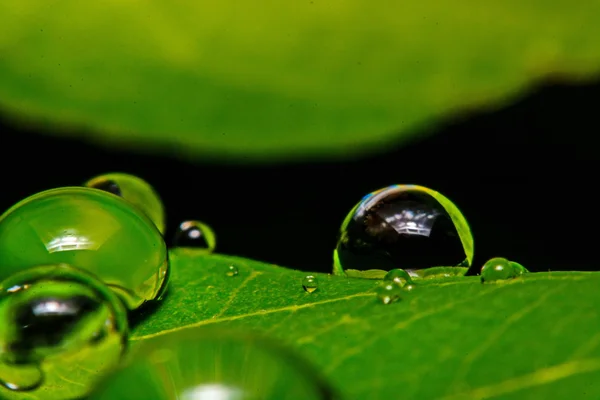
(77, 260)
(74, 262)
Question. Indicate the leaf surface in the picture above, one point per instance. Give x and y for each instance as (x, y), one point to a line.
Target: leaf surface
(271, 80)
(529, 338)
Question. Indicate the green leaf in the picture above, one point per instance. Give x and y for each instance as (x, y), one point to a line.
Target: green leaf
(267, 80)
(533, 337)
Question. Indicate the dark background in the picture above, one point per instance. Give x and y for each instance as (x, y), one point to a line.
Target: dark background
(524, 176)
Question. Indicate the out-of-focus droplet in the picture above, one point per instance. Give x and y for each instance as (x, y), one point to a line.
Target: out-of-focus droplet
(197, 364)
(389, 292)
(136, 191)
(310, 283)
(232, 271)
(61, 329)
(96, 231)
(195, 234)
(404, 226)
(399, 276)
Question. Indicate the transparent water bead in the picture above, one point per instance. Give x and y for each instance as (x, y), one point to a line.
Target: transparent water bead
(195, 234)
(499, 268)
(93, 230)
(404, 226)
(310, 283)
(197, 364)
(136, 191)
(61, 329)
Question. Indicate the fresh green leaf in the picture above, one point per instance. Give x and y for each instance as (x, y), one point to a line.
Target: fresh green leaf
(532, 337)
(263, 80)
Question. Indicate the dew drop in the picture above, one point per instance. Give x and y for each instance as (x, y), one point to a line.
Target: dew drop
(136, 191)
(96, 231)
(409, 287)
(60, 320)
(404, 226)
(518, 268)
(205, 364)
(232, 271)
(20, 377)
(389, 291)
(310, 283)
(500, 268)
(195, 234)
(399, 276)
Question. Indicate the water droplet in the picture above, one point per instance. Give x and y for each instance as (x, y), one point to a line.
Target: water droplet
(404, 226)
(60, 320)
(498, 268)
(195, 234)
(232, 270)
(96, 231)
(136, 191)
(518, 268)
(389, 291)
(310, 283)
(20, 377)
(218, 364)
(399, 276)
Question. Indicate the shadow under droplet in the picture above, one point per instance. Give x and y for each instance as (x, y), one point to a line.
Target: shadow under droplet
(146, 310)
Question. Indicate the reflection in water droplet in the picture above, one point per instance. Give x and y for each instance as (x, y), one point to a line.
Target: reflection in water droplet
(201, 364)
(136, 191)
(232, 270)
(409, 287)
(20, 377)
(96, 231)
(404, 226)
(310, 283)
(389, 291)
(195, 234)
(399, 276)
(500, 268)
(62, 321)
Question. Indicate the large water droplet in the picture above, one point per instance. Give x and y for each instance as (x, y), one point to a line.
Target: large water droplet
(310, 283)
(60, 330)
(197, 364)
(389, 292)
(20, 377)
(195, 234)
(91, 229)
(500, 268)
(404, 226)
(136, 191)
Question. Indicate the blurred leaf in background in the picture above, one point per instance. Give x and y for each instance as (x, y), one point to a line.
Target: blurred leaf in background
(269, 80)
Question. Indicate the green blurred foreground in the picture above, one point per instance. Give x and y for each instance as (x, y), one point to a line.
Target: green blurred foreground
(249, 80)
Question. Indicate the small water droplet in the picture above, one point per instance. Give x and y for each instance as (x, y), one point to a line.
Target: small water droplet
(399, 276)
(195, 234)
(404, 226)
(232, 270)
(20, 377)
(499, 268)
(310, 283)
(519, 268)
(136, 191)
(389, 291)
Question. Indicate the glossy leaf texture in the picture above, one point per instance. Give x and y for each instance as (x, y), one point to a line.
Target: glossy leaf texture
(271, 80)
(531, 337)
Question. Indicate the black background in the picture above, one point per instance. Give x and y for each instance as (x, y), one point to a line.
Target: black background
(524, 176)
